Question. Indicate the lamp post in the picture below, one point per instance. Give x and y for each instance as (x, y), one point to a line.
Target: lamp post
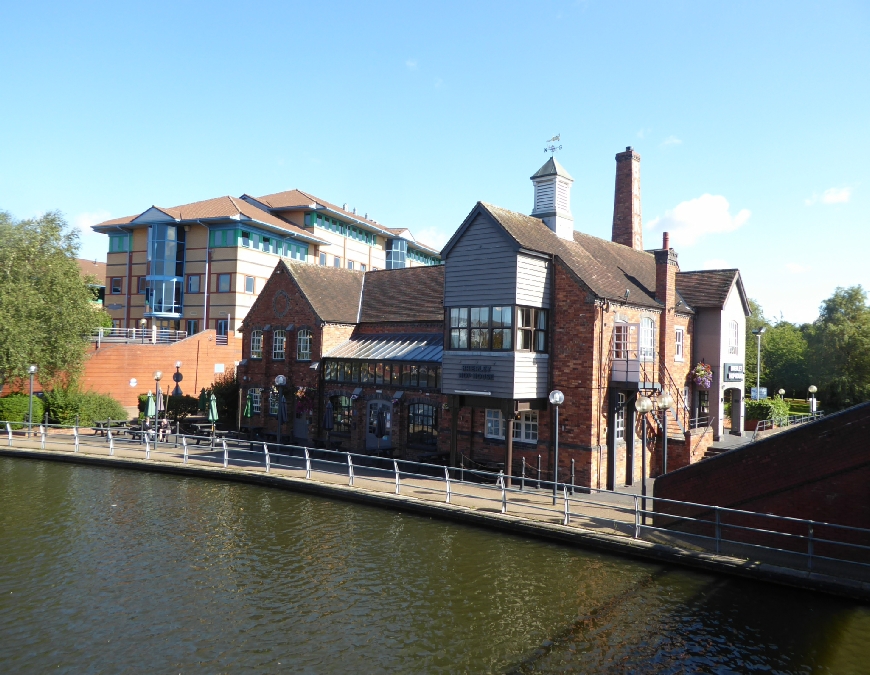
(32, 370)
(557, 398)
(157, 377)
(280, 381)
(142, 324)
(781, 393)
(758, 332)
(177, 377)
(664, 403)
(812, 389)
(643, 405)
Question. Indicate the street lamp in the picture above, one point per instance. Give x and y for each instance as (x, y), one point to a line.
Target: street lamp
(177, 377)
(557, 398)
(758, 332)
(781, 393)
(812, 389)
(142, 324)
(157, 377)
(664, 403)
(643, 405)
(280, 382)
(32, 370)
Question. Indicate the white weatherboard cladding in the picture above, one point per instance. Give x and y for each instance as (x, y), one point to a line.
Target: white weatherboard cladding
(563, 196)
(531, 373)
(481, 269)
(533, 281)
(514, 375)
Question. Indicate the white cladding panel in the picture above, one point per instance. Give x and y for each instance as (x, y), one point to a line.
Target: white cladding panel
(533, 281)
(531, 374)
(481, 268)
(563, 196)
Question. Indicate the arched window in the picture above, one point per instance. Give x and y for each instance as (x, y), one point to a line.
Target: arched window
(303, 345)
(256, 344)
(733, 337)
(647, 338)
(341, 413)
(422, 424)
(278, 342)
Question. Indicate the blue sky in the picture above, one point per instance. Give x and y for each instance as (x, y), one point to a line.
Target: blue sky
(752, 119)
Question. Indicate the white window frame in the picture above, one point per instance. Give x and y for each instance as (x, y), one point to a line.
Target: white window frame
(526, 427)
(647, 339)
(249, 283)
(256, 400)
(256, 344)
(679, 339)
(303, 345)
(734, 338)
(494, 424)
(619, 418)
(279, 344)
(273, 402)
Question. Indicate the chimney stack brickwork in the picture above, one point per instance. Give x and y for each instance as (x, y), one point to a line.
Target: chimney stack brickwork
(666, 293)
(627, 225)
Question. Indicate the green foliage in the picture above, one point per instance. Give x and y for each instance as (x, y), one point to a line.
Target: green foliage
(64, 404)
(180, 407)
(102, 317)
(767, 409)
(226, 393)
(46, 313)
(13, 408)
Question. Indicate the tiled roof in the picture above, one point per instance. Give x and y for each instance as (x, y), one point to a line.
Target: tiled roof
(709, 288)
(124, 220)
(334, 293)
(92, 268)
(410, 294)
(551, 168)
(427, 347)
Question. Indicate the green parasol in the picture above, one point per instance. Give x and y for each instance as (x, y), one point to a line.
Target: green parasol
(150, 408)
(203, 400)
(248, 405)
(212, 410)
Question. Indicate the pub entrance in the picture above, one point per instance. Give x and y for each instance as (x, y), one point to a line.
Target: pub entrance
(373, 443)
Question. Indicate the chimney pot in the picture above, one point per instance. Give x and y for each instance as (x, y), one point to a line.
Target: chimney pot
(628, 148)
(666, 240)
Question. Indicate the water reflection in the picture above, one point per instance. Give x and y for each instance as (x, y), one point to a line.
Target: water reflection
(112, 570)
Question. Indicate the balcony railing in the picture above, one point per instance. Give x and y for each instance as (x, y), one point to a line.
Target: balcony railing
(147, 336)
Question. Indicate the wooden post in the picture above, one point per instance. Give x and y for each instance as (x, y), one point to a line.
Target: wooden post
(510, 449)
(454, 431)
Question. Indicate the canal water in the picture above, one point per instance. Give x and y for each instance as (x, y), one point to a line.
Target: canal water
(109, 571)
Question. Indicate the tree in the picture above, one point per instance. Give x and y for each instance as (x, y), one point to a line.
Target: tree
(46, 313)
(784, 359)
(754, 322)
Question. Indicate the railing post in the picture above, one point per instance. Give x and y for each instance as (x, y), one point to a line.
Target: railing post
(462, 469)
(572, 477)
(42, 436)
(349, 470)
(396, 468)
(500, 483)
(307, 464)
(9, 433)
(148, 451)
(718, 529)
(266, 452)
(567, 520)
(226, 453)
(184, 444)
(810, 547)
(447, 483)
(111, 443)
(636, 519)
(523, 476)
(539, 472)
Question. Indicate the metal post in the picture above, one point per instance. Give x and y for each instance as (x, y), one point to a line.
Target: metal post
(636, 520)
(665, 441)
(523, 477)
(184, 443)
(539, 472)
(556, 460)
(462, 469)
(307, 464)
(643, 469)
(42, 436)
(758, 369)
(567, 520)
(447, 483)
(266, 452)
(509, 459)
(718, 529)
(810, 547)
(148, 451)
(30, 409)
(111, 443)
(75, 435)
(9, 432)
(349, 470)
(280, 408)
(500, 482)
(396, 468)
(572, 477)
(226, 454)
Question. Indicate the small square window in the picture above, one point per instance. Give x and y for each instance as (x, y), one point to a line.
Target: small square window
(350, 264)
(337, 261)
(323, 259)
(192, 326)
(249, 284)
(223, 283)
(193, 283)
(362, 267)
(246, 239)
(494, 424)
(143, 285)
(116, 285)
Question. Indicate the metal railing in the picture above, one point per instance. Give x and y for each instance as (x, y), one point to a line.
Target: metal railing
(146, 336)
(828, 548)
(790, 421)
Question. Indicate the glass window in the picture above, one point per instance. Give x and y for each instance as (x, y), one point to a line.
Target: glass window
(116, 285)
(620, 417)
(479, 327)
(341, 413)
(279, 340)
(531, 329)
(678, 351)
(273, 402)
(192, 326)
(494, 424)
(620, 341)
(193, 283)
(337, 261)
(501, 327)
(249, 284)
(143, 285)
(733, 337)
(256, 400)
(222, 327)
(256, 344)
(422, 424)
(459, 328)
(362, 267)
(526, 427)
(303, 345)
(223, 283)
(246, 239)
(647, 338)
(350, 264)
(323, 259)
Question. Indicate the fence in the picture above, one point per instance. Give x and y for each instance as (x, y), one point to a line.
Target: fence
(790, 421)
(788, 542)
(146, 336)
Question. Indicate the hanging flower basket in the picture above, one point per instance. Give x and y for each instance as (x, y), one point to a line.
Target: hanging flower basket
(702, 375)
(305, 398)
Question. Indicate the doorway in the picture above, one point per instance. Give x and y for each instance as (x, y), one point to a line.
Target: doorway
(372, 440)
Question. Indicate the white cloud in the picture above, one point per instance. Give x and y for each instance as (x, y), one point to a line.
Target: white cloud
(411, 64)
(794, 268)
(671, 140)
(692, 219)
(716, 264)
(831, 196)
(83, 221)
(435, 237)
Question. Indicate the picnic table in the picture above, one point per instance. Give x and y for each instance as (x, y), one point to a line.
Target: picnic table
(102, 427)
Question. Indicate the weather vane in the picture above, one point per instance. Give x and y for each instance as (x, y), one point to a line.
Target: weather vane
(552, 148)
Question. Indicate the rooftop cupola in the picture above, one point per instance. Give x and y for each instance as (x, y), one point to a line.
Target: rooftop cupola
(553, 198)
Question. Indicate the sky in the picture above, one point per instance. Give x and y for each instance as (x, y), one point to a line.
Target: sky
(752, 118)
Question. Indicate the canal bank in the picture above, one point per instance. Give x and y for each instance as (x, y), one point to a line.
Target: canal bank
(485, 517)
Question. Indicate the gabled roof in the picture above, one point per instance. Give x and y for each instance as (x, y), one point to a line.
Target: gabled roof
(93, 268)
(410, 294)
(551, 168)
(332, 292)
(711, 288)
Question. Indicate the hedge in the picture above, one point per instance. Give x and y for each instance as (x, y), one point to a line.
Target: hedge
(64, 405)
(767, 409)
(177, 407)
(13, 408)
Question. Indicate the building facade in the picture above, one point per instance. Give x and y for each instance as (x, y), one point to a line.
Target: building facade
(458, 361)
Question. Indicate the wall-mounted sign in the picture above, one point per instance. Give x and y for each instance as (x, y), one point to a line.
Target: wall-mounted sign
(759, 393)
(734, 372)
(476, 373)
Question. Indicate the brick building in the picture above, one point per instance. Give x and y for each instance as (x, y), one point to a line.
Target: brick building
(461, 359)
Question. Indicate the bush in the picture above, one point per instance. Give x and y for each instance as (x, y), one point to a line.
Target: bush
(13, 408)
(767, 409)
(177, 407)
(64, 405)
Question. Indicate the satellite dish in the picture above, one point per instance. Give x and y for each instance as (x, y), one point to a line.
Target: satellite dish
(133, 382)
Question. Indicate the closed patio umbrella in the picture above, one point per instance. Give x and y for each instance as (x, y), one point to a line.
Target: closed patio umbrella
(380, 426)
(203, 400)
(160, 405)
(150, 408)
(282, 410)
(248, 405)
(212, 410)
(328, 422)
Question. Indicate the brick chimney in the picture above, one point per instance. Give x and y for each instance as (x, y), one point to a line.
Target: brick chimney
(627, 226)
(666, 293)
